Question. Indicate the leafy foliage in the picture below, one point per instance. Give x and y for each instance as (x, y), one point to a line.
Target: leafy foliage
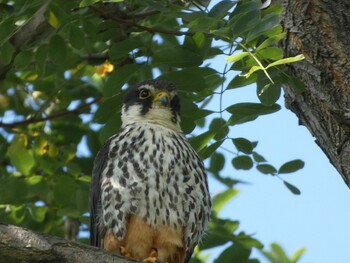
(63, 70)
(278, 255)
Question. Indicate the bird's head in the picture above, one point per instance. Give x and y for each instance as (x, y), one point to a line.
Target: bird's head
(152, 101)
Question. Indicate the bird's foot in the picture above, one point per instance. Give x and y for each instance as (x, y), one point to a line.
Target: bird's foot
(152, 257)
(124, 252)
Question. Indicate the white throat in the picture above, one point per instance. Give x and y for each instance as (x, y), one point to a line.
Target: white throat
(160, 116)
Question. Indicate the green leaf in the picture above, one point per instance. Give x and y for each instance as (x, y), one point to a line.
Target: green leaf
(244, 112)
(76, 37)
(188, 111)
(245, 22)
(244, 65)
(121, 50)
(118, 78)
(68, 132)
(267, 22)
(10, 187)
(242, 162)
(41, 56)
(17, 213)
(198, 43)
(266, 169)
(226, 180)
(220, 231)
(53, 19)
(20, 157)
(204, 3)
(270, 53)
(64, 190)
(108, 106)
(236, 57)
(291, 167)
(221, 9)
(85, 3)
(57, 49)
(297, 255)
(37, 213)
(269, 93)
(209, 150)
(258, 158)
(23, 58)
(6, 52)
(246, 6)
(292, 188)
(186, 79)
(7, 29)
(200, 141)
(217, 162)
(221, 199)
(286, 61)
(243, 145)
(279, 252)
(82, 194)
(239, 81)
(271, 41)
(177, 57)
(202, 24)
(219, 126)
(3, 146)
(247, 241)
(252, 70)
(234, 253)
(37, 186)
(270, 256)
(111, 127)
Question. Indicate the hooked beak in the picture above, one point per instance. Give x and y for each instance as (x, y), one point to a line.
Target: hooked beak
(162, 99)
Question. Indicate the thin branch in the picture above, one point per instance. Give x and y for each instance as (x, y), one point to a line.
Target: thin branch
(146, 14)
(133, 23)
(50, 117)
(96, 56)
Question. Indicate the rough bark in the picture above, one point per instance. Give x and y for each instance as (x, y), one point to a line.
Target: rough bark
(20, 245)
(320, 29)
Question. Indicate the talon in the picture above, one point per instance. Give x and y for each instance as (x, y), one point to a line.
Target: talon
(152, 257)
(124, 252)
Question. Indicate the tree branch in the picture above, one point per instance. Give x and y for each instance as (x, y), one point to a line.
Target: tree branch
(32, 31)
(22, 245)
(50, 117)
(133, 23)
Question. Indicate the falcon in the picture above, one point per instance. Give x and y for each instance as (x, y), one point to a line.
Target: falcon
(149, 197)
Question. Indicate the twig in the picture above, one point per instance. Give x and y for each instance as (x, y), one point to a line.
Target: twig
(50, 117)
(146, 13)
(133, 23)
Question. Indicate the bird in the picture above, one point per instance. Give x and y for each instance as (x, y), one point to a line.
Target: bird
(149, 198)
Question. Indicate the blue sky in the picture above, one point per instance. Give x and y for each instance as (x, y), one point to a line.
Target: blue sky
(318, 218)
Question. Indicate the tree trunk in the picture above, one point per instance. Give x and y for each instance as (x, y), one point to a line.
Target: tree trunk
(20, 245)
(320, 29)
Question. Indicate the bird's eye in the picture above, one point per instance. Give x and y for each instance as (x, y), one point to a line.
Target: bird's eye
(144, 94)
